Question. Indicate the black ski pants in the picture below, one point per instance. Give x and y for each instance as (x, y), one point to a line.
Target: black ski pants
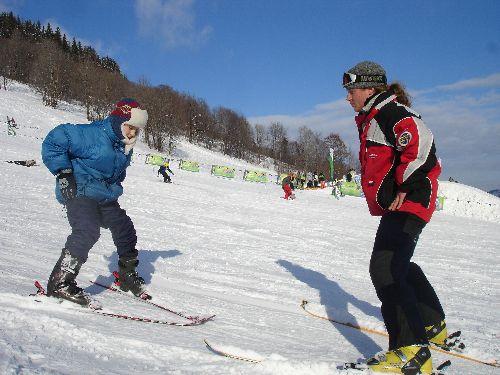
(86, 217)
(166, 177)
(409, 302)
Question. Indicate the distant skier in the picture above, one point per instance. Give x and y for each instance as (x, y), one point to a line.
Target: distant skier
(399, 178)
(287, 185)
(350, 175)
(302, 180)
(309, 180)
(11, 126)
(89, 161)
(164, 168)
(322, 180)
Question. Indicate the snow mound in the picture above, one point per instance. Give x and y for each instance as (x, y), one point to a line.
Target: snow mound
(467, 201)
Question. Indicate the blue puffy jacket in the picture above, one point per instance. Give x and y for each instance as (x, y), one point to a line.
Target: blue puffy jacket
(95, 154)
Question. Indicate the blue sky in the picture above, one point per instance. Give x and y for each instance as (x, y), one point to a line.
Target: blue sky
(283, 60)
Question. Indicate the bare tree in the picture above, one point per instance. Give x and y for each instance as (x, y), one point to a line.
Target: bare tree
(342, 156)
(277, 134)
(202, 122)
(189, 115)
(353, 161)
(4, 65)
(17, 60)
(311, 149)
(85, 77)
(260, 139)
(108, 89)
(49, 73)
(163, 128)
(235, 132)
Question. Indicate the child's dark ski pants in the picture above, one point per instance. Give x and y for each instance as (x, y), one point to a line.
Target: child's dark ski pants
(86, 217)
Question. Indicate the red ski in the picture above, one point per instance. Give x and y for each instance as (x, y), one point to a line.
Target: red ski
(194, 321)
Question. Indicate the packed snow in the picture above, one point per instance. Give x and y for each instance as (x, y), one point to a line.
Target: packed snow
(232, 248)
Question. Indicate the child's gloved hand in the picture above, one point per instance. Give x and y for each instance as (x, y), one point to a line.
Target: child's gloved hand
(67, 184)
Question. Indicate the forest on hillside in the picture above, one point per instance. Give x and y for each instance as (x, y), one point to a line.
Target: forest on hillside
(65, 70)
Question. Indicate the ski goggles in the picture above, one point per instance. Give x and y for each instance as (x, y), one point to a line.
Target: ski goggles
(350, 79)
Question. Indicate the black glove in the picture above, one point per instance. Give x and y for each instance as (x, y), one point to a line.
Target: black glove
(67, 184)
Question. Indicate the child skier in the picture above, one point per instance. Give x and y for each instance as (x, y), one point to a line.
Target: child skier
(89, 162)
(163, 171)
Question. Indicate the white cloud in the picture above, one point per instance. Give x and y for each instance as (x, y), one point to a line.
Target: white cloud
(173, 21)
(463, 117)
(467, 133)
(490, 81)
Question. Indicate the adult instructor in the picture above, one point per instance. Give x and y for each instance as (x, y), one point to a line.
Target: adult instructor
(399, 172)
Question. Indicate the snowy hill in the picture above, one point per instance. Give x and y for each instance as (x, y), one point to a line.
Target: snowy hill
(226, 247)
(467, 201)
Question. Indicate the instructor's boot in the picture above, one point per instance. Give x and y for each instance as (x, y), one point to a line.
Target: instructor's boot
(62, 280)
(127, 278)
(408, 360)
(437, 333)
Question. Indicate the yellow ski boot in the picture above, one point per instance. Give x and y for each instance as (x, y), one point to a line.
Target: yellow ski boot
(437, 334)
(408, 360)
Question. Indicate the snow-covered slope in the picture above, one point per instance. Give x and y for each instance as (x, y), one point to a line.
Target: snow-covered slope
(467, 201)
(227, 247)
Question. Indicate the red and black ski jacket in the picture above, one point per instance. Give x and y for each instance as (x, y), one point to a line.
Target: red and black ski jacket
(397, 153)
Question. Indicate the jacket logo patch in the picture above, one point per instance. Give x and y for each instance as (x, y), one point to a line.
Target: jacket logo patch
(404, 139)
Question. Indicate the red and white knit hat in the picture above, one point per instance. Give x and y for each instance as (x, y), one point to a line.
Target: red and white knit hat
(128, 111)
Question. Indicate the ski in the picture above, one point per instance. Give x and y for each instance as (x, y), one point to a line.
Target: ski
(347, 324)
(94, 305)
(347, 366)
(98, 310)
(194, 318)
(450, 350)
(229, 355)
(364, 367)
(147, 320)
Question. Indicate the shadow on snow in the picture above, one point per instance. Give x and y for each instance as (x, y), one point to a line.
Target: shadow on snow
(145, 269)
(336, 301)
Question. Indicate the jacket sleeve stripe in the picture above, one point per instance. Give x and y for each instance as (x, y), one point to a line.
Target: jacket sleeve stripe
(425, 141)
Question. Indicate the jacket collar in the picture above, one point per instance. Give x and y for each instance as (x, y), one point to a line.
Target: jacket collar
(377, 101)
(372, 106)
(108, 129)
